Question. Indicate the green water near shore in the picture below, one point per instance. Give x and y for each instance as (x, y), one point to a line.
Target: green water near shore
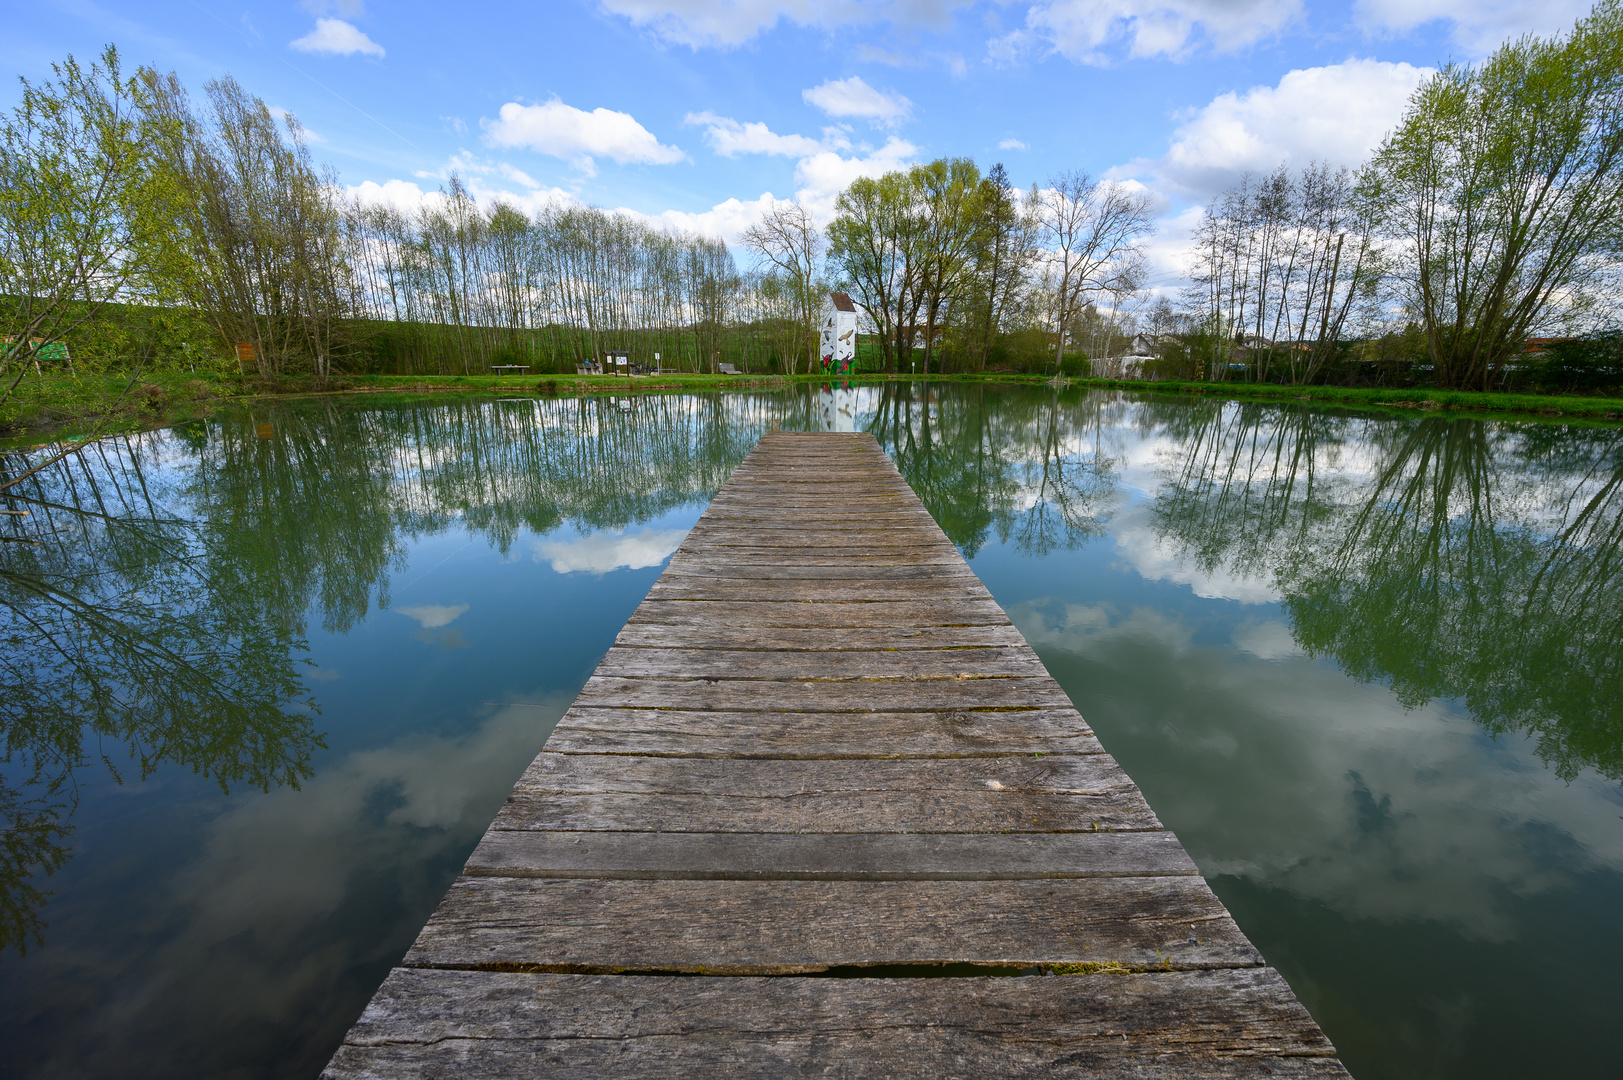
(268, 676)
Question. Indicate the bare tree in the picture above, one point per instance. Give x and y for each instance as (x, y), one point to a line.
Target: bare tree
(789, 239)
(1090, 232)
(1282, 266)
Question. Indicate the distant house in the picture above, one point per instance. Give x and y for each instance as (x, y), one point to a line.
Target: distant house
(838, 337)
(1144, 345)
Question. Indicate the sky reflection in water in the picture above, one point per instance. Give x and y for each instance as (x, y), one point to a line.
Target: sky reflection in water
(1366, 667)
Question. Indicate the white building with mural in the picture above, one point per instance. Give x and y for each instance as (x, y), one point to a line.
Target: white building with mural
(838, 346)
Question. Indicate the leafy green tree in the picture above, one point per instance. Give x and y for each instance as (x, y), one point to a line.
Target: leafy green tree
(77, 172)
(1005, 245)
(258, 230)
(947, 194)
(873, 240)
(1504, 189)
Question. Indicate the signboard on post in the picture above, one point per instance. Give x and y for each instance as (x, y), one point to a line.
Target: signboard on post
(618, 362)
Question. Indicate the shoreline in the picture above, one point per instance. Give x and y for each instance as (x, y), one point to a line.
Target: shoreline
(165, 400)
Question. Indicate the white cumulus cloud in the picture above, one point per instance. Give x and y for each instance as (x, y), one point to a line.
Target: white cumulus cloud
(401, 194)
(823, 176)
(1336, 114)
(1012, 144)
(576, 136)
(853, 97)
(434, 616)
(598, 553)
(337, 37)
(729, 138)
(1096, 31)
(1478, 25)
(1266, 640)
(725, 220)
(1145, 550)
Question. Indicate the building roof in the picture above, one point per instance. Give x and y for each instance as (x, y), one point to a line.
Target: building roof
(842, 302)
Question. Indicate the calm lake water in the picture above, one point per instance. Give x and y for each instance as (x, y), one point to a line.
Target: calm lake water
(268, 678)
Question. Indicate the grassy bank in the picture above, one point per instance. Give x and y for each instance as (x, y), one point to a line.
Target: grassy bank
(60, 406)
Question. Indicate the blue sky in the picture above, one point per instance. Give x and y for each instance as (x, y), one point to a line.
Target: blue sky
(696, 113)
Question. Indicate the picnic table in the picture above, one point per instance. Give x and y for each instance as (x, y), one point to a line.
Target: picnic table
(508, 369)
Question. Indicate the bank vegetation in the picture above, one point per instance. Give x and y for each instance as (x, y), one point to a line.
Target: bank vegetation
(144, 228)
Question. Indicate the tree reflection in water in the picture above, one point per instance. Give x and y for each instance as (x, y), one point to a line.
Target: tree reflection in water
(1021, 465)
(1450, 558)
(1480, 561)
(122, 646)
(156, 597)
(161, 615)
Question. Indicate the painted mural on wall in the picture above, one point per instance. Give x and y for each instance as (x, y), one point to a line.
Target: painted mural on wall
(838, 346)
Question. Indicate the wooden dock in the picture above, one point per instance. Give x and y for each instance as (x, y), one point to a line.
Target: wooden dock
(818, 767)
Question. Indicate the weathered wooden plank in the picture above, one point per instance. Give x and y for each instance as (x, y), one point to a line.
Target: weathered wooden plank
(897, 512)
(817, 592)
(813, 483)
(1223, 1025)
(810, 484)
(734, 571)
(945, 734)
(815, 538)
(735, 927)
(798, 555)
(845, 513)
(773, 496)
(828, 856)
(711, 635)
(907, 811)
(819, 744)
(1082, 776)
(910, 811)
(823, 532)
(814, 469)
(826, 695)
(862, 543)
(984, 661)
(909, 615)
(1214, 1025)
